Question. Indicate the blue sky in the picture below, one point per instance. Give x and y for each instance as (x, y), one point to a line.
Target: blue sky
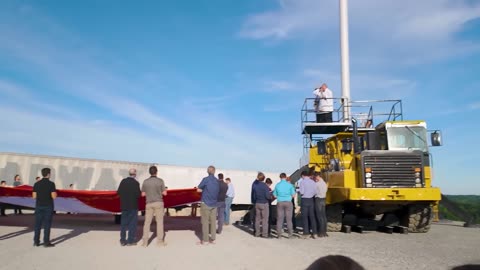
(222, 82)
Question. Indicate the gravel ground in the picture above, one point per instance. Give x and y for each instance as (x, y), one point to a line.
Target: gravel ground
(91, 242)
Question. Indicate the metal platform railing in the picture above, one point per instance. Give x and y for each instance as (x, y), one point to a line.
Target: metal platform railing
(368, 113)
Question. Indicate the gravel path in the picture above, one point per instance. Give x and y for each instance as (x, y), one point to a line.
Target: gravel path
(91, 242)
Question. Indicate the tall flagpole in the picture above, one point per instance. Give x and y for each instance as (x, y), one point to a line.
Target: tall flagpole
(344, 51)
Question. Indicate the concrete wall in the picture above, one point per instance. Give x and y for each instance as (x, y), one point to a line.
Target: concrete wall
(90, 174)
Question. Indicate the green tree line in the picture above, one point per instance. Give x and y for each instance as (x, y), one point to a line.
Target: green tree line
(470, 204)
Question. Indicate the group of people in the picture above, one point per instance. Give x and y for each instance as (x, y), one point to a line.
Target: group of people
(217, 197)
(311, 190)
(17, 181)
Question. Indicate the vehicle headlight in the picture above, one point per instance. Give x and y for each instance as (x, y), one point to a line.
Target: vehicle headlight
(417, 174)
(368, 175)
(417, 180)
(368, 180)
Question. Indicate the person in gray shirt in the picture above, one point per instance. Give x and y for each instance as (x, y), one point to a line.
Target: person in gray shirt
(308, 190)
(154, 189)
(320, 214)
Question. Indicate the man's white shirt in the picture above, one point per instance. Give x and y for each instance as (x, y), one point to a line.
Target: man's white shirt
(326, 101)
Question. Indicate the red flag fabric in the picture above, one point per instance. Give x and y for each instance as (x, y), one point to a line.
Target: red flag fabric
(92, 201)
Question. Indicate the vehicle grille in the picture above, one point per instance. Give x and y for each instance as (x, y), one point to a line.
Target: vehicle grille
(393, 169)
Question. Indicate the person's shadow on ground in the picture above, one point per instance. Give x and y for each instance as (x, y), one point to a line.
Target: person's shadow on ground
(81, 224)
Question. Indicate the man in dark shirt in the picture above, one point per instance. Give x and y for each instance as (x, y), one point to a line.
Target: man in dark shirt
(129, 192)
(260, 175)
(261, 196)
(271, 220)
(208, 209)
(222, 195)
(44, 192)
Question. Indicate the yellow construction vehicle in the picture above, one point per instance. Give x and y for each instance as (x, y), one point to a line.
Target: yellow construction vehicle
(377, 176)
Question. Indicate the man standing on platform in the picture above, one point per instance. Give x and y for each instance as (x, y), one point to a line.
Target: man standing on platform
(221, 205)
(209, 187)
(229, 200)
(323, 104)
(154, 189)
(44, 192)
(129, 192)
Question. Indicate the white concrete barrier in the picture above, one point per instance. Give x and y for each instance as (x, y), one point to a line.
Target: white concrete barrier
(92, 174)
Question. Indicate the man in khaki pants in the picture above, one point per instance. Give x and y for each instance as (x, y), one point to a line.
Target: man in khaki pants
(209, 187)
(154, 190)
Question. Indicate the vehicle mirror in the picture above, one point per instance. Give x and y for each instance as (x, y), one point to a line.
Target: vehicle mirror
(436, 138)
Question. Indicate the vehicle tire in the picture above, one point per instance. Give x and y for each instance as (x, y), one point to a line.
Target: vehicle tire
(334, 217)
(420, 218)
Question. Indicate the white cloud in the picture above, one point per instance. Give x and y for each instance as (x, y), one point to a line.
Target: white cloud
(34, 130)
(8, 88)
(292, 16)
(474, 106)
(364, 86)
(428, 19)
(381, 31)
(274, 85)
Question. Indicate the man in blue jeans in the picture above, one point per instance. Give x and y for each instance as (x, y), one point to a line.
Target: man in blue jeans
(129, 192)
(308, 190)
(221, 205)
(44, 192)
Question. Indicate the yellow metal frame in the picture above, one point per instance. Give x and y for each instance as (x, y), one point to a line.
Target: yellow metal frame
(386, 195)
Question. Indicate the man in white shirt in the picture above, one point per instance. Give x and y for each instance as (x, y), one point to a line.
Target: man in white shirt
(323, 104)
(229, 200)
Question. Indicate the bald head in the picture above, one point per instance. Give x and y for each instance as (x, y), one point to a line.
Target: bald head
(132, 172)
(211, 170)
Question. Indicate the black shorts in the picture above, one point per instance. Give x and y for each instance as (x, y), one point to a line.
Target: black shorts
(324, 117)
